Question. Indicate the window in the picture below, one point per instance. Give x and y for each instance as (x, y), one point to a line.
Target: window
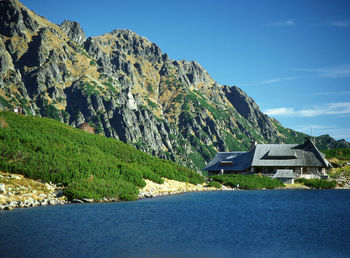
(226, 163)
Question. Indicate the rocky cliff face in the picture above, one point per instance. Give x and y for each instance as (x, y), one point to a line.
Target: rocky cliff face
(126, 88)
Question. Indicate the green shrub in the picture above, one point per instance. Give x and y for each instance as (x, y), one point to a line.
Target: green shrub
(214, 184)
(98, 188)
(317, 183)
(248, 181)
(91, 166)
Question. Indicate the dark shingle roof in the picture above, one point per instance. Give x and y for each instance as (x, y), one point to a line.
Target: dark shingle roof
(290, 155)
(270, 155)
(241, 160)
(284, 173)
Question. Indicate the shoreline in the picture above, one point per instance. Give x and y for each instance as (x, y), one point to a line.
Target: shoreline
(172, 187)
(16, 191)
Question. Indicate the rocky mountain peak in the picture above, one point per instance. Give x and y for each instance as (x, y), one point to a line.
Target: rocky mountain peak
(125, 87)
(73, 31)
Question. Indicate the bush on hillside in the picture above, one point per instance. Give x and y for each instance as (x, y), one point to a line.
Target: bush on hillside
(248, 181)
(46, 149)
(317, 183)
(214, 184)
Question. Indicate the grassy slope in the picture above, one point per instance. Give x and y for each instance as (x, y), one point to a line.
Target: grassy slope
(339, 159)
(91, 166)
(341, 154)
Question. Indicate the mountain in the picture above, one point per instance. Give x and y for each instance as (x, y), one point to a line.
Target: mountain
(125, 87)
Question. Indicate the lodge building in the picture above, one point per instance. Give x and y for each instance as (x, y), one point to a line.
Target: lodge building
(283, 161)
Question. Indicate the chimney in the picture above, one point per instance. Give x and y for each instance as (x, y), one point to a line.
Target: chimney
(253, 144)
(311, 139)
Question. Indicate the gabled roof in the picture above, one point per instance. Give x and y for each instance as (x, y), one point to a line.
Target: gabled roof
(305, 154)
(270, 155)
(232, 161)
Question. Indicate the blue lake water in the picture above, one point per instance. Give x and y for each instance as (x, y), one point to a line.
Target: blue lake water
(275, 223)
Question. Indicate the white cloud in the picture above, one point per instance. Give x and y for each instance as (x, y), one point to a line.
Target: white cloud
(342, 24)
(281, 23)
(340, 108)
(282, 111)
(340, 71)
(270, 81)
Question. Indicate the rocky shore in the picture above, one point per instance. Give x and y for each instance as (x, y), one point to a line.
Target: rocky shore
(174, 187)
(16, 191)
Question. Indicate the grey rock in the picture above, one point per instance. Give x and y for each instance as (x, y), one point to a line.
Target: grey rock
(73, 31)
(86, 200)
(77, 201)
(13, 204)
(3, 189)
(15, 20)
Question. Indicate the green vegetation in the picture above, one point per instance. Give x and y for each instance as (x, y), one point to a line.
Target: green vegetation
(52, 112)
(214, 184)
(341, 172)
(289, 136)
(248, 181)
(89, 88)
(5, 103)
(197, 159)
(199, 102)
(338, 158)
(152, 104)
(150, 88)
(341, 154)
(110, 87)
(231, 143)
(325, 142)
(90, 166)
(82, 51)
(317, 183)
(97, 124)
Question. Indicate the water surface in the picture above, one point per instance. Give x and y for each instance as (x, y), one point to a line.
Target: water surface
(280, 223)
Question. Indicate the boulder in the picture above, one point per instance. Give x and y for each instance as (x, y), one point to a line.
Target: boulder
(77, 201)
(2, 188)
(86, 200)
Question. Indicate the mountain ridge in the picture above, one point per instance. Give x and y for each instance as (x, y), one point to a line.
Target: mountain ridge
(127, 88)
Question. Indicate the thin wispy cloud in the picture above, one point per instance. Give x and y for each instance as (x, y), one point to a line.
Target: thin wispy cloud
(329, 93)
(341, 133)
(342, 24)
(316, 130)
(281, 23)
(334, 72)
(313, 129)
(270, 81)
(340, 108)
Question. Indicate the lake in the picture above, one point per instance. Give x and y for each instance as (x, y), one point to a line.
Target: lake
(270, 223)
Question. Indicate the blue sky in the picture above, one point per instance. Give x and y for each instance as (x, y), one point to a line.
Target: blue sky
(292, 57)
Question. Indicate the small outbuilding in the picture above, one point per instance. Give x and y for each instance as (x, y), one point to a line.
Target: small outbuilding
(285, 175)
